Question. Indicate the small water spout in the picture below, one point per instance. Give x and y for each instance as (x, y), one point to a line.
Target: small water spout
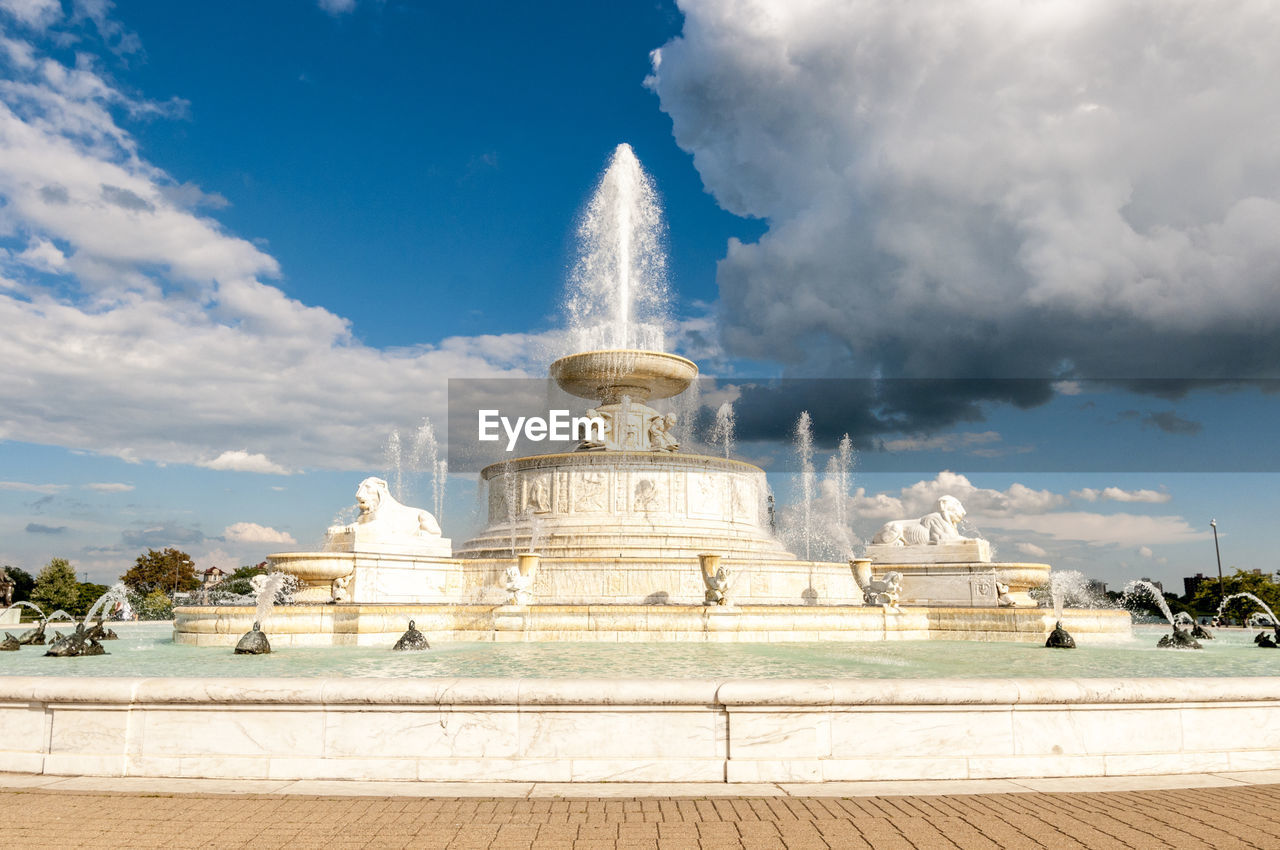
(1262, 638)
(116, 594)
(1180, 638)
(254, 642)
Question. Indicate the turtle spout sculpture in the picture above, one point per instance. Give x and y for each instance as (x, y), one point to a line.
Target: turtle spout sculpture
(411, 641)
(9, 644)
(254, 642)
(70, 646)
(33, 637)
(101, 632)
(1179, 639)
(1060, 638)
(1186, 621)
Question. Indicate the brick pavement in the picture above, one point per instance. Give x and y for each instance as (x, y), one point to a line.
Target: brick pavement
(1221, 818)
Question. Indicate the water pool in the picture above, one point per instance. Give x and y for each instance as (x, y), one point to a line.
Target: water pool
(147, 650)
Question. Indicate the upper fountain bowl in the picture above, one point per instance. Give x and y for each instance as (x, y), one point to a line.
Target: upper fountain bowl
(607, 376)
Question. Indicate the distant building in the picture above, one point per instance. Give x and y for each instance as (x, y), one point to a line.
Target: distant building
(1158, 585)
(1097, 588)
(1191, 584)
(213, 575)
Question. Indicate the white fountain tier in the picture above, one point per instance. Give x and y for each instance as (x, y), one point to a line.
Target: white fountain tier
(626, 504)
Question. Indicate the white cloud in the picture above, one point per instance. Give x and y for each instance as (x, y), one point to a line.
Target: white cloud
(242, 461)
(1145, 552)
(981, 503)
(24, 487)
(36, 14)
(995, 188)
(1102, 529)
(43, 255)
(109, 487)
(162, 342)
(1117, 494)
(251, 532)
(1019, 510)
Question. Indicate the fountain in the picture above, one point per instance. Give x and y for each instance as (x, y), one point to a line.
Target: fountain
(608, 539)
(630, 536)
(1179, 638)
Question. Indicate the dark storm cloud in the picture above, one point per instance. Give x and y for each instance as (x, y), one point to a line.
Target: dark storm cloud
(958, 190)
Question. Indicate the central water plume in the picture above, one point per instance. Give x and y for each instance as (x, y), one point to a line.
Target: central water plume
(618, 288)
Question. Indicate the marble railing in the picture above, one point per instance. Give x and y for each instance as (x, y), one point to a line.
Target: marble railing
(636, 730)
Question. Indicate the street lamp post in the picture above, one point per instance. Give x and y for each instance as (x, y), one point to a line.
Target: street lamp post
(1222, 594)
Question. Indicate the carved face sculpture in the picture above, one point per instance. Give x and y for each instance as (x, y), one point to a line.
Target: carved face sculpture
(369, 494)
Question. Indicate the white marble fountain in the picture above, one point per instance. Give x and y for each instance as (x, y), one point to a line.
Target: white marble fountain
(625, 536)
(628, 538)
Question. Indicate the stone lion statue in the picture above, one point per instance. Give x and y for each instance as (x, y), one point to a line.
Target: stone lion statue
(382, 515)
(937, 527)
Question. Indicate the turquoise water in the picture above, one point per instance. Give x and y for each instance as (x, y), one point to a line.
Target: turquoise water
(146, 649)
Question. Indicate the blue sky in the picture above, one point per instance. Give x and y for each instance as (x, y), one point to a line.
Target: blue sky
(240, 243)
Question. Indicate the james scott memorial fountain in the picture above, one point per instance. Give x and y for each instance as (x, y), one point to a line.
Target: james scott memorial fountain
(625, 536)
(628, 535)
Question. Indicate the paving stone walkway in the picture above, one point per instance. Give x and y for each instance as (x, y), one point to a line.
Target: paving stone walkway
(1222, 818)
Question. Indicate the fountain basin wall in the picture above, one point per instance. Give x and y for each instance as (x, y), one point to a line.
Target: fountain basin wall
(381, 625)
(636, 730)
(398, 579)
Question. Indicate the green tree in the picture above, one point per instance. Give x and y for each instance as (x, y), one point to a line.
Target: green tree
(23, 582)
(169, 570)
(238, 581)
(56, 587)
(156, 605)
(87, 594)
(1261, 585)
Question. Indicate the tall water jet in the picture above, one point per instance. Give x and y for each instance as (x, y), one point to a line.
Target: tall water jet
(804, 453)
(838, 535)
(424, 459)
(618, 287)
(393, 456)
(722, 430)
